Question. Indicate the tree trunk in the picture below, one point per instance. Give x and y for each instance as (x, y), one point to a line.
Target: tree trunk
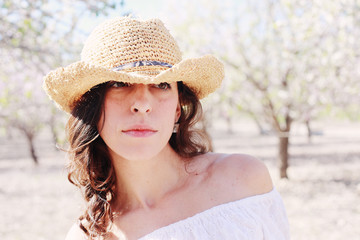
(229, 124)
(30, 138)
(54, 133)
(283, 155)
(309, 132)
(204, 128)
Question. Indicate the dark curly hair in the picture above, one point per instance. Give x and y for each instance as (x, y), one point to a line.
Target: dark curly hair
(90, 167)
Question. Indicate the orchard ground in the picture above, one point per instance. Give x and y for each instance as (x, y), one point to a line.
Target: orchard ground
(322, 196)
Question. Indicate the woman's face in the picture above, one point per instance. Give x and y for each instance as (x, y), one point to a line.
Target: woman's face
(138, 119)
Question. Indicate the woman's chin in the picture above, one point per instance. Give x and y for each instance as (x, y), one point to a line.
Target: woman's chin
(136, 154)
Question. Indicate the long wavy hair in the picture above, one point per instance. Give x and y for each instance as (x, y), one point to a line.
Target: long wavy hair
(90, 167)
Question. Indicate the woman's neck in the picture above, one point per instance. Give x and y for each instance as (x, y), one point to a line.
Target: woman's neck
(147, 182)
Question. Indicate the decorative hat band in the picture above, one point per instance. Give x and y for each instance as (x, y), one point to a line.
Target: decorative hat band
(141, 63)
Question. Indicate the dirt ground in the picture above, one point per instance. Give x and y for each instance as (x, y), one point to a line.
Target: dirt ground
(322, 196)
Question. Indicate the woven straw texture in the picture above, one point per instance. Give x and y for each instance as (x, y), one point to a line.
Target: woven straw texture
(122, 41)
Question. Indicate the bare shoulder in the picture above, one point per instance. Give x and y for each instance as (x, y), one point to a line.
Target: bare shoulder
(75, 233)
(243, 174)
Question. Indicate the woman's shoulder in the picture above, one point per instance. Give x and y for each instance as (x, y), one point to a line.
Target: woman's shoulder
(239, 175)
(75, 233)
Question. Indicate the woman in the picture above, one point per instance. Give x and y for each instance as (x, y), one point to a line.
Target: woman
(144, 169)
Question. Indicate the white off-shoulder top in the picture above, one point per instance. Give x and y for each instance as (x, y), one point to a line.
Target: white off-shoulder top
(252, 218)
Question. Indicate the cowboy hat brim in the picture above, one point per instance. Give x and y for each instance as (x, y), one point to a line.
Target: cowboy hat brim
(66, 85)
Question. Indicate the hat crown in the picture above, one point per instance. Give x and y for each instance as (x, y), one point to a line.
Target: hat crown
(125, 40)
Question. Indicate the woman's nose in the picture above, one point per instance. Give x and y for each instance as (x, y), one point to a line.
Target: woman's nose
(141, 102)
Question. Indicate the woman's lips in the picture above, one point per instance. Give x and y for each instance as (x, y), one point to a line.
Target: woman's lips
(140, 132)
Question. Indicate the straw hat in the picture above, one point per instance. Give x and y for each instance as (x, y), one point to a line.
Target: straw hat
(129, 50)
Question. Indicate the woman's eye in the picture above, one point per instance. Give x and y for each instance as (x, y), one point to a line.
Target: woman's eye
(163, 85)
(115, 84)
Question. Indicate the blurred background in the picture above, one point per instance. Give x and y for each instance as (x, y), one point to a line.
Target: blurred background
(291, 97)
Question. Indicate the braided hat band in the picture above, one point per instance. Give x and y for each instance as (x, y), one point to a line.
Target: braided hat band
(129, 50)
(140, 64)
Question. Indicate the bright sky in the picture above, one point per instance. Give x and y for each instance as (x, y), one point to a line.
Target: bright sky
(146, 8)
